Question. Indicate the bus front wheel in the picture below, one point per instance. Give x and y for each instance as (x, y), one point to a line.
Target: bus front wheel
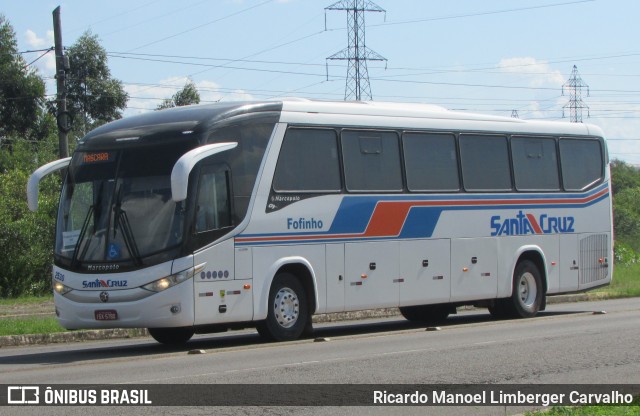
(288, 310)
(172, 336)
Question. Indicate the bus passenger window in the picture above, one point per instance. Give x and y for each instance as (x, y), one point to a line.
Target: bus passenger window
(535, 163)
(308, 162)
(582, 163)
(431, 162)
(371, 161)
(485, 162)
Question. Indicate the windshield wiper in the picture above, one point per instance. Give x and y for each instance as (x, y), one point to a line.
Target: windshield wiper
(121, 220)
(94, 210)
(83, 232)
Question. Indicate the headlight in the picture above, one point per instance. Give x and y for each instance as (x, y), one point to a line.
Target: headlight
(170, 281)
(60, 288)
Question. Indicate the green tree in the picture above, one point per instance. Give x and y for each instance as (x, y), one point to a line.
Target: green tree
(21, 91)
(26, 238)
(625, 183)
(623, 176)
(186, 96)
(94, 97)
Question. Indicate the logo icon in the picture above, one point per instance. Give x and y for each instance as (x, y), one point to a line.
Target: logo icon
(23, 395)
(114, 251)
(104, 297)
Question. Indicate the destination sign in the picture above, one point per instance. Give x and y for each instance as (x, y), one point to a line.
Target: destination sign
(99, 157)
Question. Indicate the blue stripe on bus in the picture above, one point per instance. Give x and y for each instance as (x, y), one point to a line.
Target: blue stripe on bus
(355, 213)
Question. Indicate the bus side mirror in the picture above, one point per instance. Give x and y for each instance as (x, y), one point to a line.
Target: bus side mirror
(184, 165)
(36, 177)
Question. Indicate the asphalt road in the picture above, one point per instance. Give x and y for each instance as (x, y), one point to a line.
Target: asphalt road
(567, 344)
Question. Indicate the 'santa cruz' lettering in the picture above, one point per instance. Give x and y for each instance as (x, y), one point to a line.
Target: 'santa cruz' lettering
(304, 224)
(528, 224)
(99, 283)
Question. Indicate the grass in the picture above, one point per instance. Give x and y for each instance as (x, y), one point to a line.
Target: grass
(28, 315)
(607, 410)
(29, 325)
(26, 300)
(626, 281)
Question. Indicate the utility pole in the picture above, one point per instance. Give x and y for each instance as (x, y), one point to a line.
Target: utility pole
(63, 117)
(575, 84)
(357, 54)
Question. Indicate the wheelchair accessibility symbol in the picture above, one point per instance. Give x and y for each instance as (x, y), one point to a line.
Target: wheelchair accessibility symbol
(114, 251)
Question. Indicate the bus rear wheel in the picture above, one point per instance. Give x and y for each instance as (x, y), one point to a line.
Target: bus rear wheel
(288, 310)
(528, 293)
(172, 336)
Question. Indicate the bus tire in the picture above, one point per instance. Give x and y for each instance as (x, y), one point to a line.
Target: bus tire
(425, 313)
(288, 310)
(528, 292)
(172, 336)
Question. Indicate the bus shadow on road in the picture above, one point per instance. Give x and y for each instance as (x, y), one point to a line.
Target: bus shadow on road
(77, 352)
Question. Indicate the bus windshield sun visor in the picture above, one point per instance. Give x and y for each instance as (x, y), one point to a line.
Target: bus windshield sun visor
(36, 177)
(184, 165)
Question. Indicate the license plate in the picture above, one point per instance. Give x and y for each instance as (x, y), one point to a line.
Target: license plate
(109, 315)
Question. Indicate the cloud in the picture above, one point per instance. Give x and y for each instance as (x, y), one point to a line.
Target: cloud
(47, 64)
(33, 40)
(537, 73)
(143, 97)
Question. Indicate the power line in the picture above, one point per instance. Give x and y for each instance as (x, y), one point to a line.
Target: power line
(38, 58)
(431, 71)
(431, 19)
(34, 51)
(201, 26)
(216, 66)
(106, 19)
(203, 58)
(142, 57)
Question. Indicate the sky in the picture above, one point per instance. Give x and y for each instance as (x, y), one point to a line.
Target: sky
(499, 57)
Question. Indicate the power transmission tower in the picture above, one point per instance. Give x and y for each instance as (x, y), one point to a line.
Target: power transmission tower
(575, 84)
(514, 114)
(357, 54)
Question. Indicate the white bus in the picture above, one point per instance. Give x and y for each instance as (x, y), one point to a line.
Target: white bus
(199, 219)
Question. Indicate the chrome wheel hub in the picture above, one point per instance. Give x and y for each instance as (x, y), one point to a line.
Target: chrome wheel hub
(286, 307)
(527, 290)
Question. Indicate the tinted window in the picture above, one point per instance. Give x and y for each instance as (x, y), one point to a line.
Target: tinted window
(581, 162)
(535, 163)
(213, 209)
(371, 161)
(431, 162)
(244, 160)
(485, 163)
(308, 162)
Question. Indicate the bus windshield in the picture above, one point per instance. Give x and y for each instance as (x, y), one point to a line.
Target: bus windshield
(116, 206)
